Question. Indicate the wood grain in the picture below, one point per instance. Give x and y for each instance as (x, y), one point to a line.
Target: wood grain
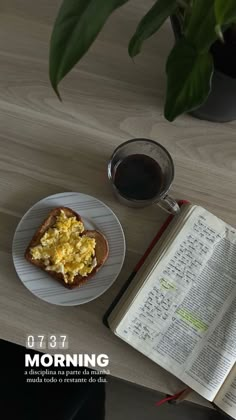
(48, 147)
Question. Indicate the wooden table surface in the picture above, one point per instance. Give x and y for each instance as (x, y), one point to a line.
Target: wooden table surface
(48, 147)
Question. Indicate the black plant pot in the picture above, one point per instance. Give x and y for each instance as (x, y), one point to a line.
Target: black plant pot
(221, 103)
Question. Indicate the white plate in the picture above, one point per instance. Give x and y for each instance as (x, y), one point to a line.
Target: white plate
(96, 215)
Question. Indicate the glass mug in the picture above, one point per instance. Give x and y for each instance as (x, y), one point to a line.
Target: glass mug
(141, 172)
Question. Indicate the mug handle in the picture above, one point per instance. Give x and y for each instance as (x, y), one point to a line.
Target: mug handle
(169, 204)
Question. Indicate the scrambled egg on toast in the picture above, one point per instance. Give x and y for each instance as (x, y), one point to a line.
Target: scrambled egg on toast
(63, 248)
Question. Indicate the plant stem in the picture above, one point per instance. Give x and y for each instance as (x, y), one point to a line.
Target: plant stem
(184, 8)
(183, 4)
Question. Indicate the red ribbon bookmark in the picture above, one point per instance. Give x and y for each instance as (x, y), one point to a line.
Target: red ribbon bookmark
(170, 398)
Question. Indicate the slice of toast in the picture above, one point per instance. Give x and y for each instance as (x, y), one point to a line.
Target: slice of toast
(101, 249)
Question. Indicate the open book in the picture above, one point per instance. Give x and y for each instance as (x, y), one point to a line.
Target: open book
(180, 309)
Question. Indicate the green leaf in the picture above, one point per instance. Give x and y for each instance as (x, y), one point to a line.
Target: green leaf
(189, 79)
(200, 27)
(77, 25)
(219, 33)
(225, 11)
(150, 24)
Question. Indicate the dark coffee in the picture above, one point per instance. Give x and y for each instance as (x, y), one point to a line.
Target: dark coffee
(138, 177)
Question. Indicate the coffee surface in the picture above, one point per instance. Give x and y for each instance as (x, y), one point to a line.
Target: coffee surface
(138, 177)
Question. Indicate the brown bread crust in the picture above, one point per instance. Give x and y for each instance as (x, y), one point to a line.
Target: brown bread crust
(101, 250)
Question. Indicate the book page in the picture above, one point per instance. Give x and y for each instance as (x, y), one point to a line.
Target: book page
(142, 276)
(226, 398)
(174, 319)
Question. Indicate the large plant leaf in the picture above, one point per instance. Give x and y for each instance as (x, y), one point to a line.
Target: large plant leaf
(150, 23)
(189, 79)
(200, 27)
(225, 11)
(77, 25)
